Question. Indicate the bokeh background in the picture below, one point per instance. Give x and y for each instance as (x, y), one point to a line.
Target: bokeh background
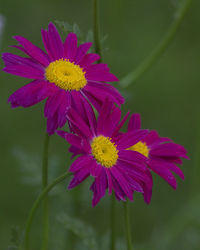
(167, 96)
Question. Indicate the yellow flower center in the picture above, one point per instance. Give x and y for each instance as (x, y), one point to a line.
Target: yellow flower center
(140, 147)
(66, 75)
(104, 151)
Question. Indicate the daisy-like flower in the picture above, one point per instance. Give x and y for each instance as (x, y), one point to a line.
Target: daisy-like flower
(161, 153)
(66, 75)
(103, 153)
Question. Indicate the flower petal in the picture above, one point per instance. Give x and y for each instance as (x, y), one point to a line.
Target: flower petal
(81, 162)
(103, 115)
(99, 187)
(55, 42)
(147, 187)
(90, 116)
(134, 122)
(119, 193)
(97, 67)
(169, 149)
(33, 51)
(120, 125)
(131, 180)
(108, 119)
(88, 60)
(79, 177)
(75, 151)
(46, 43)
(153, 139)
(122, 182)
(25, 71)
(70, 46)
(65, 104)
(78, 142)
(81, 51)
(52, 123)
(105, 90)
(74, 117)
(164, 172)
(52, 103)
(102, 76)
(11, 59)
(30, 94)
(94, 100)
(110, 182)
(95, 169)
(131, 138)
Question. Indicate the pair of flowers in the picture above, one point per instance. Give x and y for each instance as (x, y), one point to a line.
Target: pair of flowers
(70, 81)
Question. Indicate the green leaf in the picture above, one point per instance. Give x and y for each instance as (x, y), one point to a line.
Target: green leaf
(65, 26)
(89, 36)
(77, 30)
(16, 238)
(103, 39)
(85, 232)
(29, 165)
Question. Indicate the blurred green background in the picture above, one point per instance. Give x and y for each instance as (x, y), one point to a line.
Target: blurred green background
(167, 96)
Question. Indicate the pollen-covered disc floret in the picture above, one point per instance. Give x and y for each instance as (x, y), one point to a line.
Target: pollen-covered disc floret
(104, 151)
(66, 75)
(140, 147)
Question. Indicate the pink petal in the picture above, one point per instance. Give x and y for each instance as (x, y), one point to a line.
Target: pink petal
(30, 94)
(81, 51)
(33, 51)
(134, 122)
(70, 46)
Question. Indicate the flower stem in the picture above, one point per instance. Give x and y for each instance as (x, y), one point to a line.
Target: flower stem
(44, 184)
(96, 28)
(41, 197)
(127, 226)
(112, 222)
(157, 51)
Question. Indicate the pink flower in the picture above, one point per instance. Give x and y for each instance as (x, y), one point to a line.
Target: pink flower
(65, 74)
(161, 153)
(103, 153)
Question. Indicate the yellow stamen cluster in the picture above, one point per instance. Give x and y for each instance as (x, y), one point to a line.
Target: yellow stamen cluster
(66, 75)
(104, 151)
(140, 147)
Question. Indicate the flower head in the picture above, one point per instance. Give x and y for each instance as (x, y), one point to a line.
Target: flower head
(161, 153)
(65, 74)
(103, 153)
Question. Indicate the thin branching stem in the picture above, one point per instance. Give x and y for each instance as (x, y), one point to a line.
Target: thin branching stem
(41, 197)
(157, 51)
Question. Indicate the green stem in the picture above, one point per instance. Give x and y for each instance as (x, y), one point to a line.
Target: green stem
(96, 28)
(113, 225)
(44, 184)
(37, 203)
(158, 51)
(127, 226)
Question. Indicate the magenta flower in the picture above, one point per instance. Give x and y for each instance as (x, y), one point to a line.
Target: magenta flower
(103, 153)
(162, 154)
(65, 75)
